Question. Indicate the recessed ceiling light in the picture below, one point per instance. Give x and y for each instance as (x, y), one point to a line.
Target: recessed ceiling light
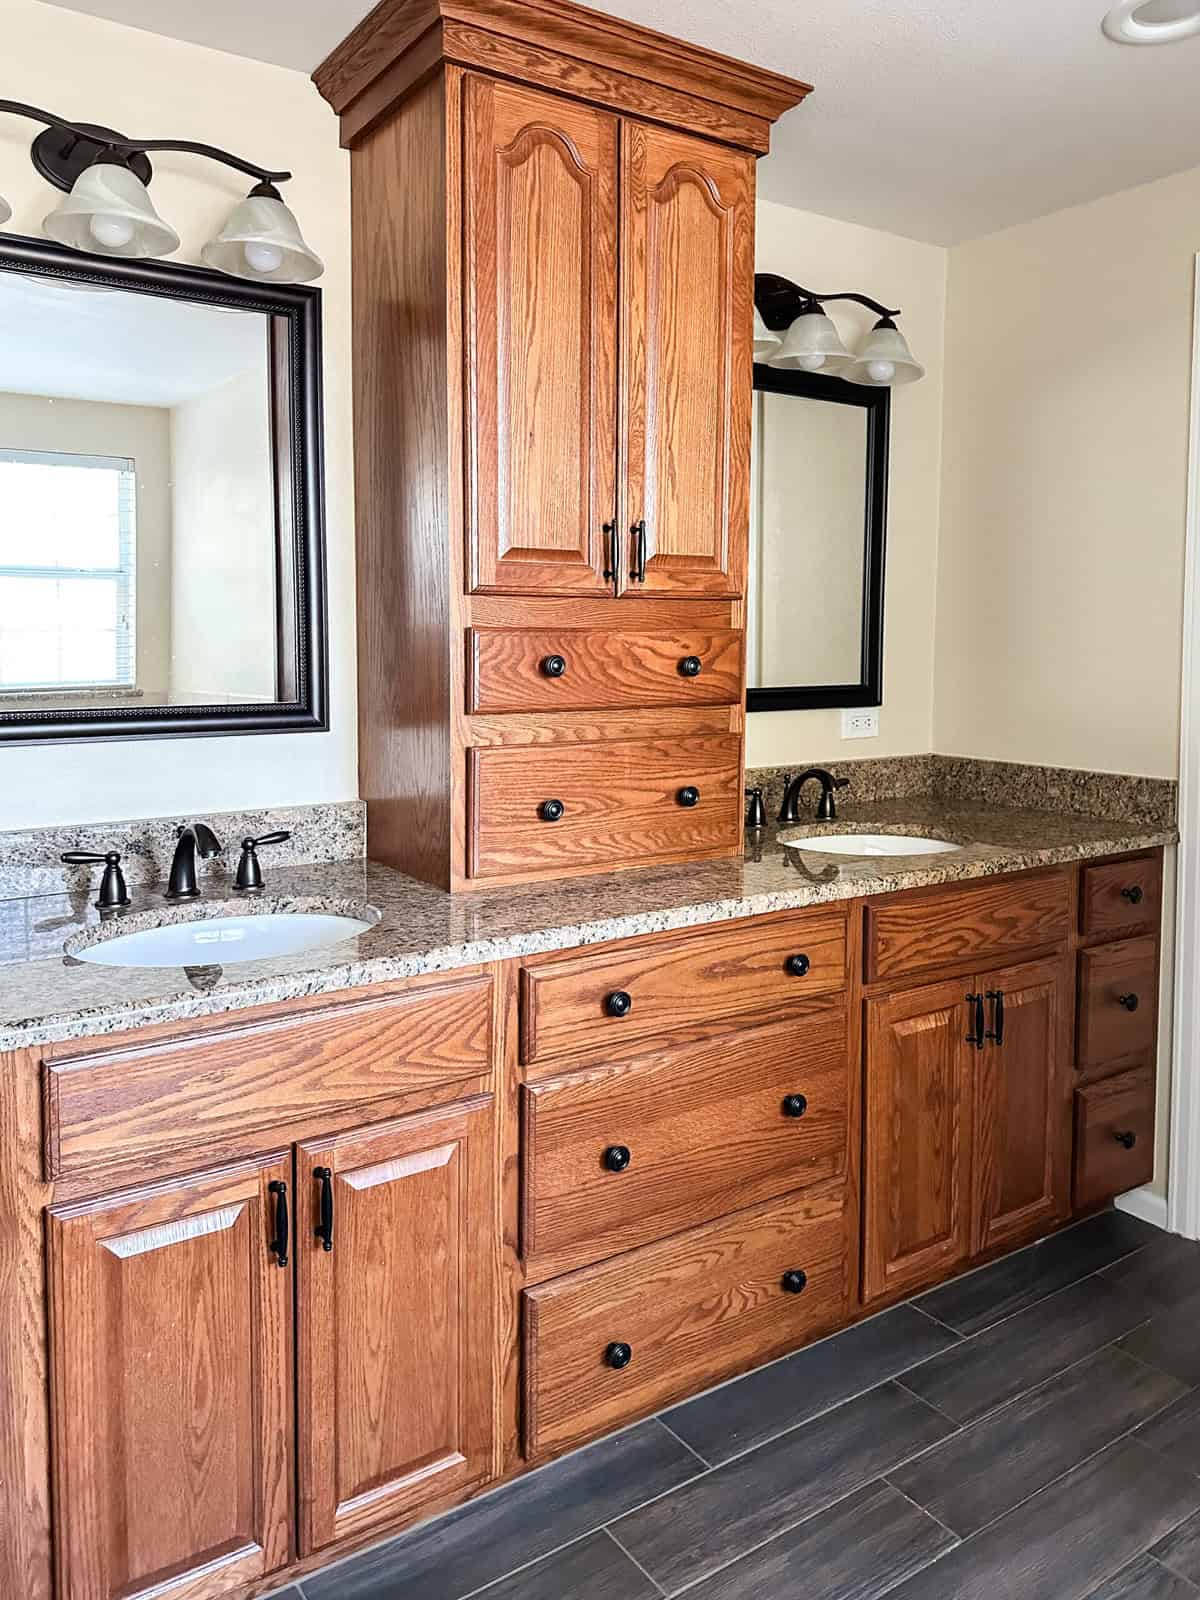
(1152, 21)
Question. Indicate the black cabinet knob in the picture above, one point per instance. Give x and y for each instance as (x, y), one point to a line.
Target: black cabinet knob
(1129, 1001)
(617, 1157)
(1133, 894)
(691, 666)
(689, 796)
(798, 965)
(1128, 1140)
(795, 1105)
(618, 1356)
(619, 1003)
(553, 666)
(551, 810)
(795, 1281)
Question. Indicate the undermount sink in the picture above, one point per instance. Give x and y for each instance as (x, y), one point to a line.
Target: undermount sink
(872, 844)
(220, 941)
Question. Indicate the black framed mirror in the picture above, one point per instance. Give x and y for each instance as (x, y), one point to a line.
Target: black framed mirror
(818, 527)
(162, 553)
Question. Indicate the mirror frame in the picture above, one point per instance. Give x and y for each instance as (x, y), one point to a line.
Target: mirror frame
(877, 403)
(295, 371)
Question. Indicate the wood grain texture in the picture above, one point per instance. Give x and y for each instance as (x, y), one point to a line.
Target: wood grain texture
(540, 275)
(1121, 897)
(913, 932)
(695, 1308)
(397, 1329)
(703, 1138)
(605, 667)
(1107, 1031)
(1104, 1166)
(687, 275)
(171, 1388)
(715, 975)
(120, 1104)
(594, 727)
(620, 804)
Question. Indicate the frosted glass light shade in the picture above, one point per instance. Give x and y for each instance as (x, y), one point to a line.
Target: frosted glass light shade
(6, 210)
(109, 211)
(262, 240)
(813, 344)
(766, 343)
(884, 359)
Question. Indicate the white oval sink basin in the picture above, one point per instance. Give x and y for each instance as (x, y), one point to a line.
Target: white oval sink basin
(219, 941)
(873, 844)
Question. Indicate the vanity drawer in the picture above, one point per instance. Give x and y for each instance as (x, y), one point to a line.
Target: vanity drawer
(1121, 895)
(625, 803)
(599, 1003)
(581, 669)
(108, 1105)
(946, 927)
(610, 1343)
(621, 1155)
(1114, 1136)
(1118, 993)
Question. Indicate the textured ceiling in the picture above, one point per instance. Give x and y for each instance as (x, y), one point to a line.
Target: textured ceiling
(942, 119)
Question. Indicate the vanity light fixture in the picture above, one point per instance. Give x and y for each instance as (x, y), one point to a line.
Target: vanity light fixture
(766, 343)
(5, 210)
(812, 342)
(108, 210)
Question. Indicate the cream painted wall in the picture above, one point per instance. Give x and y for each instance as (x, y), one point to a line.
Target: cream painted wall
(101, 72)
(826, 255)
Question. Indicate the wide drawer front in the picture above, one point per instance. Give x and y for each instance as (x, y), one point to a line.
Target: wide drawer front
(596, 1004)
(628, 802)
(579, 669)
(610, 1343)
(951, 926)
(115, 1104)
(1114, 1136)
(622, 1155)
(1118, 986)
(1121, 895)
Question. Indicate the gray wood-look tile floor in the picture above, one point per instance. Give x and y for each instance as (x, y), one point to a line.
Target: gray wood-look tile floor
(1029, 1431)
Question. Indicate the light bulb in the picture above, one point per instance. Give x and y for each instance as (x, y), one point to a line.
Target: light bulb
(112, 232)
(881, 371)
(262, 257)
(812, 363)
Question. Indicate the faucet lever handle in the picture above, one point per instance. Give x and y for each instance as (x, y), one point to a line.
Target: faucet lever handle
(249, 877)
(113, 893)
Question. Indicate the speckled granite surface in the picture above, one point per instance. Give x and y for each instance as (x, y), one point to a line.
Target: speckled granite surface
(45, 995)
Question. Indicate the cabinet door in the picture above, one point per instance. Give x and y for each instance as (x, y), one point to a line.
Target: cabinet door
(1022, 1105)
(396, 1319)
(540, 269)
(687, 274)
(171, 1381)
(917, 1201)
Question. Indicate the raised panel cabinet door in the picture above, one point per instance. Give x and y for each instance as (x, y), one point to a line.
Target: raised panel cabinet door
(396, 1256)
(171, 1386)
(1022, 1101)
(687, 286)
(540, 284)
(917, 1192)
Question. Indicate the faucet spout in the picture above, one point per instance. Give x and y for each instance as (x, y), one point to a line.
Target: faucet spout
(826, 806)
(195, 837)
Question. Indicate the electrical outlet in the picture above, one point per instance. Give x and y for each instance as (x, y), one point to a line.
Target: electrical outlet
(862, 724)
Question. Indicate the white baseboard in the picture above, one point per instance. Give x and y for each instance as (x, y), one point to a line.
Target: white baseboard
(1144, 1203)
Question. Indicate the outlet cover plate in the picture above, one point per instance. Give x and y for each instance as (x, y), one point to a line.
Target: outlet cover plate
(860, 724)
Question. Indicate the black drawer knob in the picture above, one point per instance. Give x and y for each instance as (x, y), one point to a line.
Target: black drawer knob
(795, 1105)
(1127, 1140)
(795, 1281)
(553, 666)
(618, 1356)
(1133, 894)
(619, 1003)
(798, 966)
(691, 666)
(689, 796)
(1129, 1001)
(551, 810)
(617, 1157)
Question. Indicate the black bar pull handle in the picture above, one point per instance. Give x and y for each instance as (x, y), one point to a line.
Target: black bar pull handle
(996, 1032)
(324, 1231)
(638, 571)
(610, 552)
(977, 1035)
(279, 1244)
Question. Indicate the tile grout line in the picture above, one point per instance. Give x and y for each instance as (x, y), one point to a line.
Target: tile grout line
(524, 1566)
(1151, 1557)
(633, 1560)
(925, 1511)
(708, 1466)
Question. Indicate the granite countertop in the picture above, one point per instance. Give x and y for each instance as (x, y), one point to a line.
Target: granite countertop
(47, 996)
